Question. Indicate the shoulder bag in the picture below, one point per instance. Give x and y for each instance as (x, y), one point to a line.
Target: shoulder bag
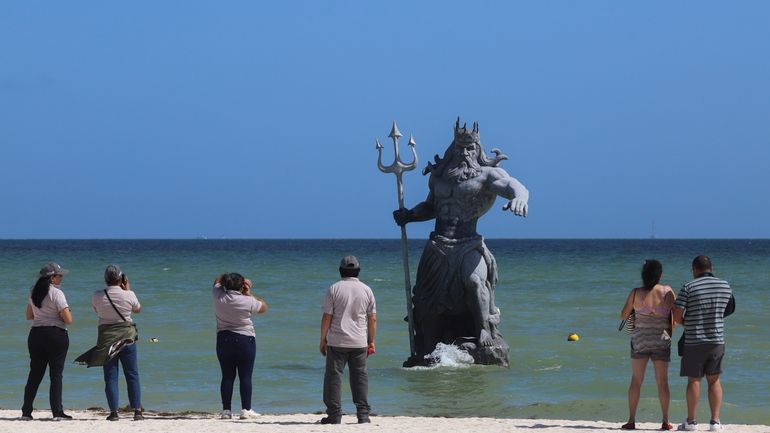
(113, 305)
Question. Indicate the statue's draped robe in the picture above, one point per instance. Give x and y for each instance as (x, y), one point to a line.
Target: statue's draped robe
(439, 290)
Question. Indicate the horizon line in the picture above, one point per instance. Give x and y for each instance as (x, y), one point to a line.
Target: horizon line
(378, 239)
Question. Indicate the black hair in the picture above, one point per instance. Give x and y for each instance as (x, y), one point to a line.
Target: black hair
(701, 263)
(349, 272)
(651, 273)
(40, 290)
(232, 281)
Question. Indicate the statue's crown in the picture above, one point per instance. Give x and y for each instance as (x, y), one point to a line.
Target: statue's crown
(466, 138)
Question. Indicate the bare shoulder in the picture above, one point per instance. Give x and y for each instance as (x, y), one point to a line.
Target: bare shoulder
(667, 294)
(495, 173)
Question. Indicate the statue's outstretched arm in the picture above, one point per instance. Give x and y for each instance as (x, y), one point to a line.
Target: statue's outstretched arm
(509, 187)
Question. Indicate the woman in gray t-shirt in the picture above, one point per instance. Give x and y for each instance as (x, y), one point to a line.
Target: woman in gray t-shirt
(48, 341)
(236, 347)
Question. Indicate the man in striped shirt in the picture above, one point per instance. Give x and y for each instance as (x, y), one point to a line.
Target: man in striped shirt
(701, 307)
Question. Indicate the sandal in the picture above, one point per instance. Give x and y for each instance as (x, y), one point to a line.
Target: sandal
(666, 426)
(628, 426)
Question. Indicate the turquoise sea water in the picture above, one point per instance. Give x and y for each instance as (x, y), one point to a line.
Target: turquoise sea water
(547, 289)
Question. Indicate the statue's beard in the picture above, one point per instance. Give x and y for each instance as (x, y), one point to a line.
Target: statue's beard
(463, 167)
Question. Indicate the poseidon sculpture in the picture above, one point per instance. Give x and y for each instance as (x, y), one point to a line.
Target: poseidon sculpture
(454, 296)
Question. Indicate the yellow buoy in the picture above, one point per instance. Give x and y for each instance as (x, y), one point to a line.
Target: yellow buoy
(573, 337)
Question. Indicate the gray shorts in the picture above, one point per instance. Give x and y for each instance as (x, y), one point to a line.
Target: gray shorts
(660, 354)
(701, 360)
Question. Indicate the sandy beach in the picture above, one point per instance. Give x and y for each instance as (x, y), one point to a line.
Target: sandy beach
(208, 422)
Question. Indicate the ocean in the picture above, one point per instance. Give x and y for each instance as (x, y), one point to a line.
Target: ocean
(547, 290)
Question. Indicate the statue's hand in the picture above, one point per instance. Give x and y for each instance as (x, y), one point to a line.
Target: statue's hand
(401, 216)
(517, 206)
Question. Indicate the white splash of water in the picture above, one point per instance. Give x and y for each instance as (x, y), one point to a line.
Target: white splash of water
(448, 356)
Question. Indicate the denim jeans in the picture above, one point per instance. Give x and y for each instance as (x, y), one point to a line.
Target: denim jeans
(236, 354)
(336, 358)
(47, 346)
(127, 358)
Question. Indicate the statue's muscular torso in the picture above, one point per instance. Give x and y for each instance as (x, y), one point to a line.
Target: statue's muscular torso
(459, 205)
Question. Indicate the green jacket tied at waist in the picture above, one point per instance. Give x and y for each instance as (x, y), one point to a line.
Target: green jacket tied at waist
(112, 339)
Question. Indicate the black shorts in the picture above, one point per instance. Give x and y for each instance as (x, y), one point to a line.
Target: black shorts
(701, 360)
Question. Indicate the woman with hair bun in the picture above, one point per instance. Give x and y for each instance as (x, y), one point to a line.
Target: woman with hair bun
(236, 346)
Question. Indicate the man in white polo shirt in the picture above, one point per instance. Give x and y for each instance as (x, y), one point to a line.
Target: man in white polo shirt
(348, 328)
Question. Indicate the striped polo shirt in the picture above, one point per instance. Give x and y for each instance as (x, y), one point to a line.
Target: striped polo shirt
(704, 300)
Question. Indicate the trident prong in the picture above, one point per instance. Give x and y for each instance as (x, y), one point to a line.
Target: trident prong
(394, 132)
(398, 168)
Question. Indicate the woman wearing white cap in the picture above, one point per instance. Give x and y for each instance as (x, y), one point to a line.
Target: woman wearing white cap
(48, 341)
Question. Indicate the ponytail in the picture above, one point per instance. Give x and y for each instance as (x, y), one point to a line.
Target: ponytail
(40, 291)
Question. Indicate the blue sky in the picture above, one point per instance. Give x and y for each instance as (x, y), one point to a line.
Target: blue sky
(258, 119)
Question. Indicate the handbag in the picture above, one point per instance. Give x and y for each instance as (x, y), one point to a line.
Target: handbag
(680, 346)
(629, 323)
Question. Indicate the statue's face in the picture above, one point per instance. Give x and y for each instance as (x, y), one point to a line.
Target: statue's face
(464, 164)
(469, 152)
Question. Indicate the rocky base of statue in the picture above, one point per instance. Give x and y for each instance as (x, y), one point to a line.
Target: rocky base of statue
(419, 361)
(496, 354)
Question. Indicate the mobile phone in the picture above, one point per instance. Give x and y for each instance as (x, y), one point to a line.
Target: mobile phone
(123, 278)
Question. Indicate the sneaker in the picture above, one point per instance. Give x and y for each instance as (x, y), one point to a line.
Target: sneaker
(26, 417)
(688, 426)
(62, 417)
(331, 420)
(364, 419)
(248, 414)
(138, 415)
(226, 414)
(113, 416)
(715, 425)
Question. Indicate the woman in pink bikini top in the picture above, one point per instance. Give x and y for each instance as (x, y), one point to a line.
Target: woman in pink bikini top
(650, 338)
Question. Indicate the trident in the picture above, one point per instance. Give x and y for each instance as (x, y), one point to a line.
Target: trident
(398, 167)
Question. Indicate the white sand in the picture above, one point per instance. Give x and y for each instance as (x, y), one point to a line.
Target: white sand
(93, 421)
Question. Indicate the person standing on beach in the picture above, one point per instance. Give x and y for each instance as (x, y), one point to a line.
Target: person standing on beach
(348, 328)
(48, 341)
(701, 307)
(114, 305)
(650, 338)
(234, 305)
